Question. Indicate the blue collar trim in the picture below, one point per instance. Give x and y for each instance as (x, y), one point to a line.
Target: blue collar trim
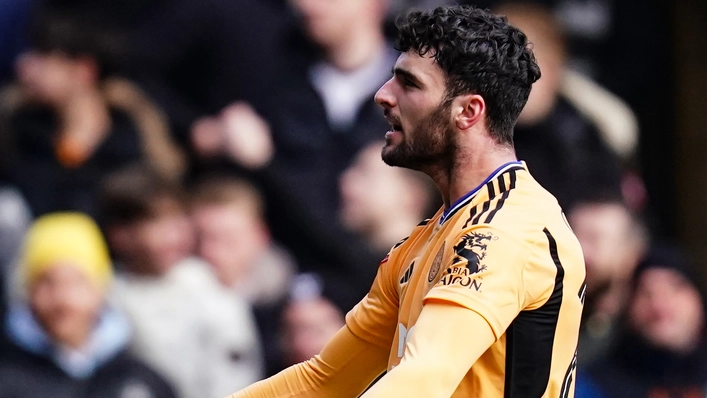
(462, 201)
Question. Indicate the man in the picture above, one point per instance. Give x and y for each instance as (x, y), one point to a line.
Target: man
(233, 237)
(177, 307)
(320, 116)
(661, 350)
(613, 240)
(484, 299)
(68, 120)
(66, 338)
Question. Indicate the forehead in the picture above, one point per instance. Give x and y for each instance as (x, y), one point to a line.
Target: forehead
(424, 68)
(63, 272)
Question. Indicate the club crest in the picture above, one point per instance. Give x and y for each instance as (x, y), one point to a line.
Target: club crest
(436, 264)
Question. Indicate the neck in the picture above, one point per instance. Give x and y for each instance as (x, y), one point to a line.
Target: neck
(472, 164)
(359, 49)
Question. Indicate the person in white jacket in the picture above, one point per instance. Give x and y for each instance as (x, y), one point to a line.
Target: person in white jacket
(186, 325)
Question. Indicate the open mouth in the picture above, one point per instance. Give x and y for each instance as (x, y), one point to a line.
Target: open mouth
(394, 121)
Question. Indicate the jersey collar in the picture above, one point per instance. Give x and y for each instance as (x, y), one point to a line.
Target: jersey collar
(464, 200)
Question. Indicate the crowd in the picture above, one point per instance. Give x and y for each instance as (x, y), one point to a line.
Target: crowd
(192, 195)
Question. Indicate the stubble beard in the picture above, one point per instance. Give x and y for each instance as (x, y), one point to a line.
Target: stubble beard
(430, 144)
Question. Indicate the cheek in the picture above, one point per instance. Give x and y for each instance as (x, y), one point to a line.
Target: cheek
(689, 306)
(43, 302)
(639, 311)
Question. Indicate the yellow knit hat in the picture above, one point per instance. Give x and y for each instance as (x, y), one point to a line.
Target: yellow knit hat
(71, 239)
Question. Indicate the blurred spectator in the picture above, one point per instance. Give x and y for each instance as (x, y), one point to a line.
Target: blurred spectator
(382, 203)
(326, 112)
(178, 309)
(613, 242)
(663, 350)
(14, 19)
(235, 241)
(322, 114)
(68, 121)
(66, 341)
(309, 320)
(622, 44)
(558, 138)
(15, 218)
(195, 57)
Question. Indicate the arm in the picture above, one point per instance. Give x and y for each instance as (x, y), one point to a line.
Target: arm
(435, 356)
(356, 355)
(345, 367)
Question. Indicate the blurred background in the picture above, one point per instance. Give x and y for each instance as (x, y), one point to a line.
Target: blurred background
(192, 196)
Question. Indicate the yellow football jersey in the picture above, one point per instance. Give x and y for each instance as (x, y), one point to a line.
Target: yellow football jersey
(506, 252)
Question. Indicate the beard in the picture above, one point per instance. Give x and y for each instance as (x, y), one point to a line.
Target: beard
(431, 143)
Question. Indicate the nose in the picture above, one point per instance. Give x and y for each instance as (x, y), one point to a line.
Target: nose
(384, 97)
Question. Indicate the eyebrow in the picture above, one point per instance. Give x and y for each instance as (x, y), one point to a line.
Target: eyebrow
(398, 71)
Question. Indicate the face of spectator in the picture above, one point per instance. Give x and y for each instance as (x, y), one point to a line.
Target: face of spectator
(231, 238)
(52, 77)
(309, 325)
(603, 231)
(157, 243)
(330, 23)
(371, 191)
(66, 303)
(667, 310)
(421, 123)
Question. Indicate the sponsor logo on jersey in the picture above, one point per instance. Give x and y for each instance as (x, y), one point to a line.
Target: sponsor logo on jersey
(469, 255)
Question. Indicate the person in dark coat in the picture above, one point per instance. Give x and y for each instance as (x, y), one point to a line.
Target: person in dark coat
(662, 351)
(321, 115)
(64, 340)
(69, 120)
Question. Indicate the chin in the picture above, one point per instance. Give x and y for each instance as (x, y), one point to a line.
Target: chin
(389, 155)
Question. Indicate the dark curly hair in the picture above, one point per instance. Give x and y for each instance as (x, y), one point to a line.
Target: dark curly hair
(480, 53)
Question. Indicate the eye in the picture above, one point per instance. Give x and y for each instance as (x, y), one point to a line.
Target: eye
(408, 83)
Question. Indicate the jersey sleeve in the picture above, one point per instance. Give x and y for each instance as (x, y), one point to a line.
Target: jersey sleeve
(374, 318)
(485, 275)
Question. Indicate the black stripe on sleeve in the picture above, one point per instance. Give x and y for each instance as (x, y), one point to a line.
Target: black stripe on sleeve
(530, 339)
(502, 182)
(506, 192)
(472, 214)
(487, 205)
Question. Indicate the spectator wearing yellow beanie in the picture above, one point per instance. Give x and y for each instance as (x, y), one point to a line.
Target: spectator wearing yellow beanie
(67, 239)
(66, 337)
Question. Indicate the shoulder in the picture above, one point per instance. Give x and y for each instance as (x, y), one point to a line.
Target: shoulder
(21, 371)
(127, 374)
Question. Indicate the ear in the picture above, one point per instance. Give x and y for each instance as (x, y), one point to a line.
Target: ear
(468, 110)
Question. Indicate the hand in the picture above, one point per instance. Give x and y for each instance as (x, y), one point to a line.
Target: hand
(248, 140)
(208, 137)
